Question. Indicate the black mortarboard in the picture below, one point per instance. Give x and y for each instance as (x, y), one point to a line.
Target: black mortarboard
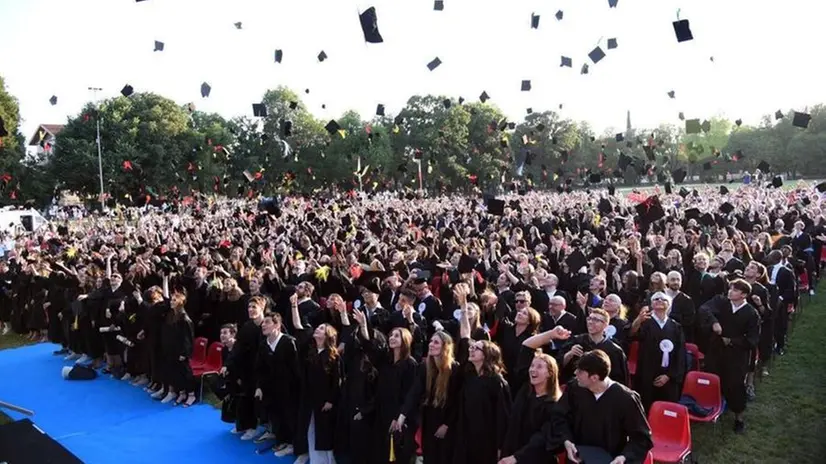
(446, 103)
(723, 190)
(650, 210)
(595, 178)
(692, 126)
(466, 264)
(53, 100)
(259, 110)
(576, 261)
(279, 55)
(778, 115)
(726, 208)
(668, 190)
(484, 97)
(612, 3)
(683, 30)
(706, 126)
(681, 116)
(332, 127)
(239, 25)
(380, 110)
(559, 15)
(738, 122)
(619, 137)
(671, 94)
(540, 127)
(777, 182)
(566, 62)
(370, 26)
(496, 206)
(596, 55)
(534, 21)
(127, 90)
(611, 190)
(322, 56)
(293, 105)
(286, 128)
(434, 64)
(612, 43)
(690, 213)
(801, 119)
(439, 5)
(526, 86)
(764, 166)
(584, 69)
(678, 175)
(684, 192)
(529, 110)
(205, 90)
(158, 46)
(821, 187)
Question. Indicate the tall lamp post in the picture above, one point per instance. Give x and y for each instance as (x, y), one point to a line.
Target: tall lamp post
(100, 157)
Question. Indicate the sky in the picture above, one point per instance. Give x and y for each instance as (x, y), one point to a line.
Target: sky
(764, 55)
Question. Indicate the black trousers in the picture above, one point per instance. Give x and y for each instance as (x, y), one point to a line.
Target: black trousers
(245, 415)
(781, 325)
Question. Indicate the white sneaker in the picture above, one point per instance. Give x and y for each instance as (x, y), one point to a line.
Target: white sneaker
(6, 330)
(303, 459)
(235, 431)
(140, 381)
(249, 435)
(285, 451)
(158, 394)
(812, 292)
(266, 436)
(72, 357)
(83, 359)
(126, 377)
(170, 397)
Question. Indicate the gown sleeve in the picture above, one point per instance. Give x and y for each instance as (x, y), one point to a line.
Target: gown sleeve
(639, 432)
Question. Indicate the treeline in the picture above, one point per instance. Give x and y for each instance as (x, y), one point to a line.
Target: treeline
(155, 148)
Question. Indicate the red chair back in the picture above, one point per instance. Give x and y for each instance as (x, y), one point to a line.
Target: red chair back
(418, 438)
(704, 387)
(649, 458)
(199, 351)
(803, 281)
(695, 351)
(670, 431)
(633, 354)
(214, 360)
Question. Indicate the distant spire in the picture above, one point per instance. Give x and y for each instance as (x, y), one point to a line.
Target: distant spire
(628, 121)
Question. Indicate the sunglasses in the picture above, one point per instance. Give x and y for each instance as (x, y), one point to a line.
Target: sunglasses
(521, 301)
(659, 299)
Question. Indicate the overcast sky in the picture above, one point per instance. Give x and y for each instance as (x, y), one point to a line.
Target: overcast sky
(765, 55)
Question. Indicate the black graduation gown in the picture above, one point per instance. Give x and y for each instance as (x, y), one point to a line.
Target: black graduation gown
(511, 345)
(277, 374)
(484, 406)
(176, 339)
(320, 383)
(434, 450)
(358, 394)
(616, 422)
(619, 363)
(649, 362)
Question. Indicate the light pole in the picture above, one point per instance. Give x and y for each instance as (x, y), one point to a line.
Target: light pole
(100, 157)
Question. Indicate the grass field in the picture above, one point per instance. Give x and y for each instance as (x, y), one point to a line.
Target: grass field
(787, 422)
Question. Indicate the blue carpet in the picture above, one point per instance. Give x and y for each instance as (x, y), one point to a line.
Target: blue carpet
(106, 420)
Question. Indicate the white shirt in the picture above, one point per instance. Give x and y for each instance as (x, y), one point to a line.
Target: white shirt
(734, 309)
(659, 322)
(274, 342)
(608, 383)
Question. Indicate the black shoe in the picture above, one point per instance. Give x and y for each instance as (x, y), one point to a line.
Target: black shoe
(739, 426)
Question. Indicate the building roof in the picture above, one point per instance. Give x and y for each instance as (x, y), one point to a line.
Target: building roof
(49, 129)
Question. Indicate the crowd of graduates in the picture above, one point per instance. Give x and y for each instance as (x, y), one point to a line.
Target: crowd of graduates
(370, 327)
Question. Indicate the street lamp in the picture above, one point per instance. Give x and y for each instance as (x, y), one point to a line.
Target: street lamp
(100, 158)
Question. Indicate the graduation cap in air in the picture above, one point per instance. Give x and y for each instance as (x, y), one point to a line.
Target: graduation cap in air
(332, 127)
(777, 182)
(650, 210)
(764, 166)
(526, 86)
(619, 137)
(322, 56)
(370, 26)
(681, 116)
(434, 64)
(566, 62)
(596, 55)
(668, 188)
(279, 55)
(576, 261)
(259, 110)
(612, 3)
(682, 30)
(380, 110)
(726, 208)
(439, 5)
(53, 100)
(584, 69)
(466, 264)
(821, 187)
(127, 90)
(801, 119)
(706, 126)
(534, 21)
(205, 89)
(611, 190)
(293, 105)
(678, 175)
(239, 25)
(612, 43)
(496, 206)
(595, 178)
(158, 46)
(484, 97)
(692, 126)
(529, 110)
(286, 128)
(723, 190)
(671, 94)
(778, 115)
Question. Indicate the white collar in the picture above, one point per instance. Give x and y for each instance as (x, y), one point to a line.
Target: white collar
(274, 342)
(734, 309)
(656, 319)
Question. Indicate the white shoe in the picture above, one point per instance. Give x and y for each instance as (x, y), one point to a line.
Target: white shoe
(158, 394)
(285, 451)
(812, 292)
(303, 459)
(249, 435)
(266, 436)
(83, 359)
(6, 330)
(140, 381)
(235, 431)
(72, 357)
(170, 397)
(126, 377)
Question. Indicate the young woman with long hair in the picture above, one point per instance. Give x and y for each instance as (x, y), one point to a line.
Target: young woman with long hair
(434, 393)
(177, 335)
(320, 366)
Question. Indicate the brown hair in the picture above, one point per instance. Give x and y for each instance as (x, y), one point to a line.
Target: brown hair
(439, 370)
(552, 384)
(492, 364)
(407, 341)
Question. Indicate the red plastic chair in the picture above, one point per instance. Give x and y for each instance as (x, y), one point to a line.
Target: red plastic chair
(199, 353)
(633, 354)
(214, 363)
(705, 389)
(418, 438)
(670, 432)
(698, 355)
(649, 459)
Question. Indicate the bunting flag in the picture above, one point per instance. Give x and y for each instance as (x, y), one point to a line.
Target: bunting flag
(127, 165)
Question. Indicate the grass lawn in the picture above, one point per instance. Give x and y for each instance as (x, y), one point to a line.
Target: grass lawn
(787, 422)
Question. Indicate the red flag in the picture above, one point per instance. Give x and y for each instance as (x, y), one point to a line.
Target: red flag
(127, 165)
